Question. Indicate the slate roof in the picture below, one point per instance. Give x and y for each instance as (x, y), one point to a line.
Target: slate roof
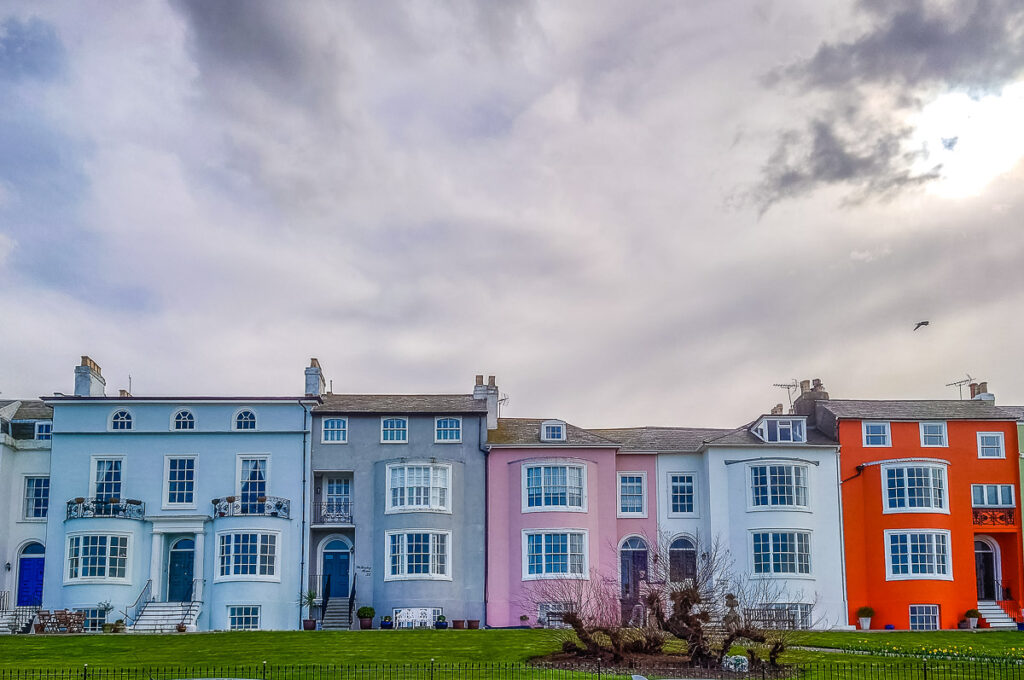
(936, 409)
(1016, 411)
(33, 409)
(401, 403)
(742, 436)
(526, 432)
(660, 438)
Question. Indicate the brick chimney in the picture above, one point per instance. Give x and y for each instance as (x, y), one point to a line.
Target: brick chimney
(89, 380)
(810, 392)
(980, 391)
(315, 383)
(490, 393)
(777, 410)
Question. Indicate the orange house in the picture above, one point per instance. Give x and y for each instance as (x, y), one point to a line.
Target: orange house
(929, 489)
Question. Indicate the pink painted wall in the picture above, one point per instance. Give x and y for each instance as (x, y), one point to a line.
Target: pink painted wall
(508, 595)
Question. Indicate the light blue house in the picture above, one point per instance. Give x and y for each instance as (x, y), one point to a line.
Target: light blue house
(177, 509)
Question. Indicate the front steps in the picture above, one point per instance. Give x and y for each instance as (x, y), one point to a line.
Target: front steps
(993, 616)
(17, 620)
(336, 616)
(164, 617)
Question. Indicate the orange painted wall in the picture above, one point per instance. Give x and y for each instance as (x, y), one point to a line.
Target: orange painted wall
(864, 522)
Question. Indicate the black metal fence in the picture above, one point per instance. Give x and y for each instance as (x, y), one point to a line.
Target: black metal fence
(920, 670)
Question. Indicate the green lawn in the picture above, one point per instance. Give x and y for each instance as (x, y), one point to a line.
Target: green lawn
(277, 648)
(939, 644)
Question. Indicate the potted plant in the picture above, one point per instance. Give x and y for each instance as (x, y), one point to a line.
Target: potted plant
(441, 622)
(365, 616)
(308, 599)
(119, 626)
(972, 617)
(864, 615)
(458, 624)
(386, 623)
(230, 499)
(79, 500)
(105, 607)
(181, 627)
(473, 624)
(524, 620)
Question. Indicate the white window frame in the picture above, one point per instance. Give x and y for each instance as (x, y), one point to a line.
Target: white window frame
(394, 441)
(553, 508)
(525, 554)
(761, 430)
(553, 423)
(447, 576)
(68, 580)
(391, 509)
(909, 463)
(119, 409)
(174, 420)
(278, 560)
(768, 464)
(890, 576)
(668, 493)
(43, 436)
(809, 574)
(910, 617)
(165, 490)
(945, 434)
(343, 430)
(24, 497)
(864, 434)
(259, 615)
(1000, 486)
(95, 458)
(1002, 445)
(618, 493)
(437, 421)
(234, 420)
(238, 470)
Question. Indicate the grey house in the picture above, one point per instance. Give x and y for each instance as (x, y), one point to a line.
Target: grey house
(398, 510)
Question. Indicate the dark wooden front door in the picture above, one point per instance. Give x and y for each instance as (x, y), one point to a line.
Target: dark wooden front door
(985, 570)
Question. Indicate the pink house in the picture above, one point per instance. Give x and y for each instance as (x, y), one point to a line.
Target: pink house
(564, 505)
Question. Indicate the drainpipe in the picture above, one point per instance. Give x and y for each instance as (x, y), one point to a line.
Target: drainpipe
(302, 534)
(842, 534)
(487, 494)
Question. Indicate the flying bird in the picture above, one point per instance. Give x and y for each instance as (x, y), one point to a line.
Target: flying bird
(921, 323)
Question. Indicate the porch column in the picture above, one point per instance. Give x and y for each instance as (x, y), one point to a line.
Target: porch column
(156, 564)
(199, 565)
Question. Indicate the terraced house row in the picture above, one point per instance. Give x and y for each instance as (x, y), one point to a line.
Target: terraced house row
(215, 513)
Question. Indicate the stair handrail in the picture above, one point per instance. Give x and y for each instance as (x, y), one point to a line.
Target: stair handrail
(325, 596)
(351, 598)
(191, 600)
(145, 596)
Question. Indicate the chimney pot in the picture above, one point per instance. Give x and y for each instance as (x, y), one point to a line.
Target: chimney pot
(805, 386)
(974, 390)
(490, 381)
(817, 386)
(123, 394)
(89, 380)
(479, 379)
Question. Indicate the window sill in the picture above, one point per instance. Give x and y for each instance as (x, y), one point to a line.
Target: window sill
(247, 579)
(554, 508)
(448, 441)
(416, 577)
(331, 443)
(915, 511)
(402, 511)
(549, 577)
(682, 515)
(99, 580)
(405, 442)
(802, 577)
(31, 520)
(191, 506)
(918, 577)
(631, 515)
(779, 508)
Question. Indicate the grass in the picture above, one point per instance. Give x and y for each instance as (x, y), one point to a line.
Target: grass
(949, 644)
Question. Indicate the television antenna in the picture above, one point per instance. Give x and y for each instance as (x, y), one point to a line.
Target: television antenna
(959, 384)
(790, 388)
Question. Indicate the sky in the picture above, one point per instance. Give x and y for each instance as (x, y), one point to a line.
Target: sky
(631, 213)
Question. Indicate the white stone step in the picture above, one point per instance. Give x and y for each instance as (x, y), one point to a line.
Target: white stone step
(995, 616)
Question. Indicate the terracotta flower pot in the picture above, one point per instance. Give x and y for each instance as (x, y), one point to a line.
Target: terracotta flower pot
(308, 624)
(474, 624)
(458, 624)
(365, 624)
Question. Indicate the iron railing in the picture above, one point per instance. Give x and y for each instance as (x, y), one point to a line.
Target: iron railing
(265, 506)
(332, 512)
(128, 508)
(993, 516)
(5, 600)
(131, 614)
(917, 670)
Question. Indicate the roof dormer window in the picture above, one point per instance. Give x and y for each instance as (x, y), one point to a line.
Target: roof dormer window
(781, 430)
(552, 431)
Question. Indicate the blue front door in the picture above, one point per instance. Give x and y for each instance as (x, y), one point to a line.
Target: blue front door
(30, 581)
(180, 571)
(336, 573)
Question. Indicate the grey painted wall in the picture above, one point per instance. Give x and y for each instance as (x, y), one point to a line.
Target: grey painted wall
(367, 458)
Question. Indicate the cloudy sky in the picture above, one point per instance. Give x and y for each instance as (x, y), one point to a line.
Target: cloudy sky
(630, 212)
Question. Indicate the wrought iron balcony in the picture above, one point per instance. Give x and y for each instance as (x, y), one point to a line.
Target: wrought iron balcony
(262, 506)
(118, 508)
(993, 516)
(333, 512)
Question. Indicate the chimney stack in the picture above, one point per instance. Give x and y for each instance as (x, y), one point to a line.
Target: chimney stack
(89, 380)
(124, 394)
(315, 384)
(981, 392)
(490, 393)
(777, 410)
(804, 405)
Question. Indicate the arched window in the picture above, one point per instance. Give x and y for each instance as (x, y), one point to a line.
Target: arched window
(245, 420)
(682, 560)
(121, 420)
(634, 543)
(184, 420)
(33, 549)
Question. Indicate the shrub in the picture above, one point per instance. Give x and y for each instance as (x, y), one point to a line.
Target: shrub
(366, 613)
(865, 613)
(972, 614)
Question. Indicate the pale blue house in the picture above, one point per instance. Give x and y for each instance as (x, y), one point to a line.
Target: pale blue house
(177, 509)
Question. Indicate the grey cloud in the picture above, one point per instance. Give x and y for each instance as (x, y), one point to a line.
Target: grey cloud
(913, 50)
(30, 49)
